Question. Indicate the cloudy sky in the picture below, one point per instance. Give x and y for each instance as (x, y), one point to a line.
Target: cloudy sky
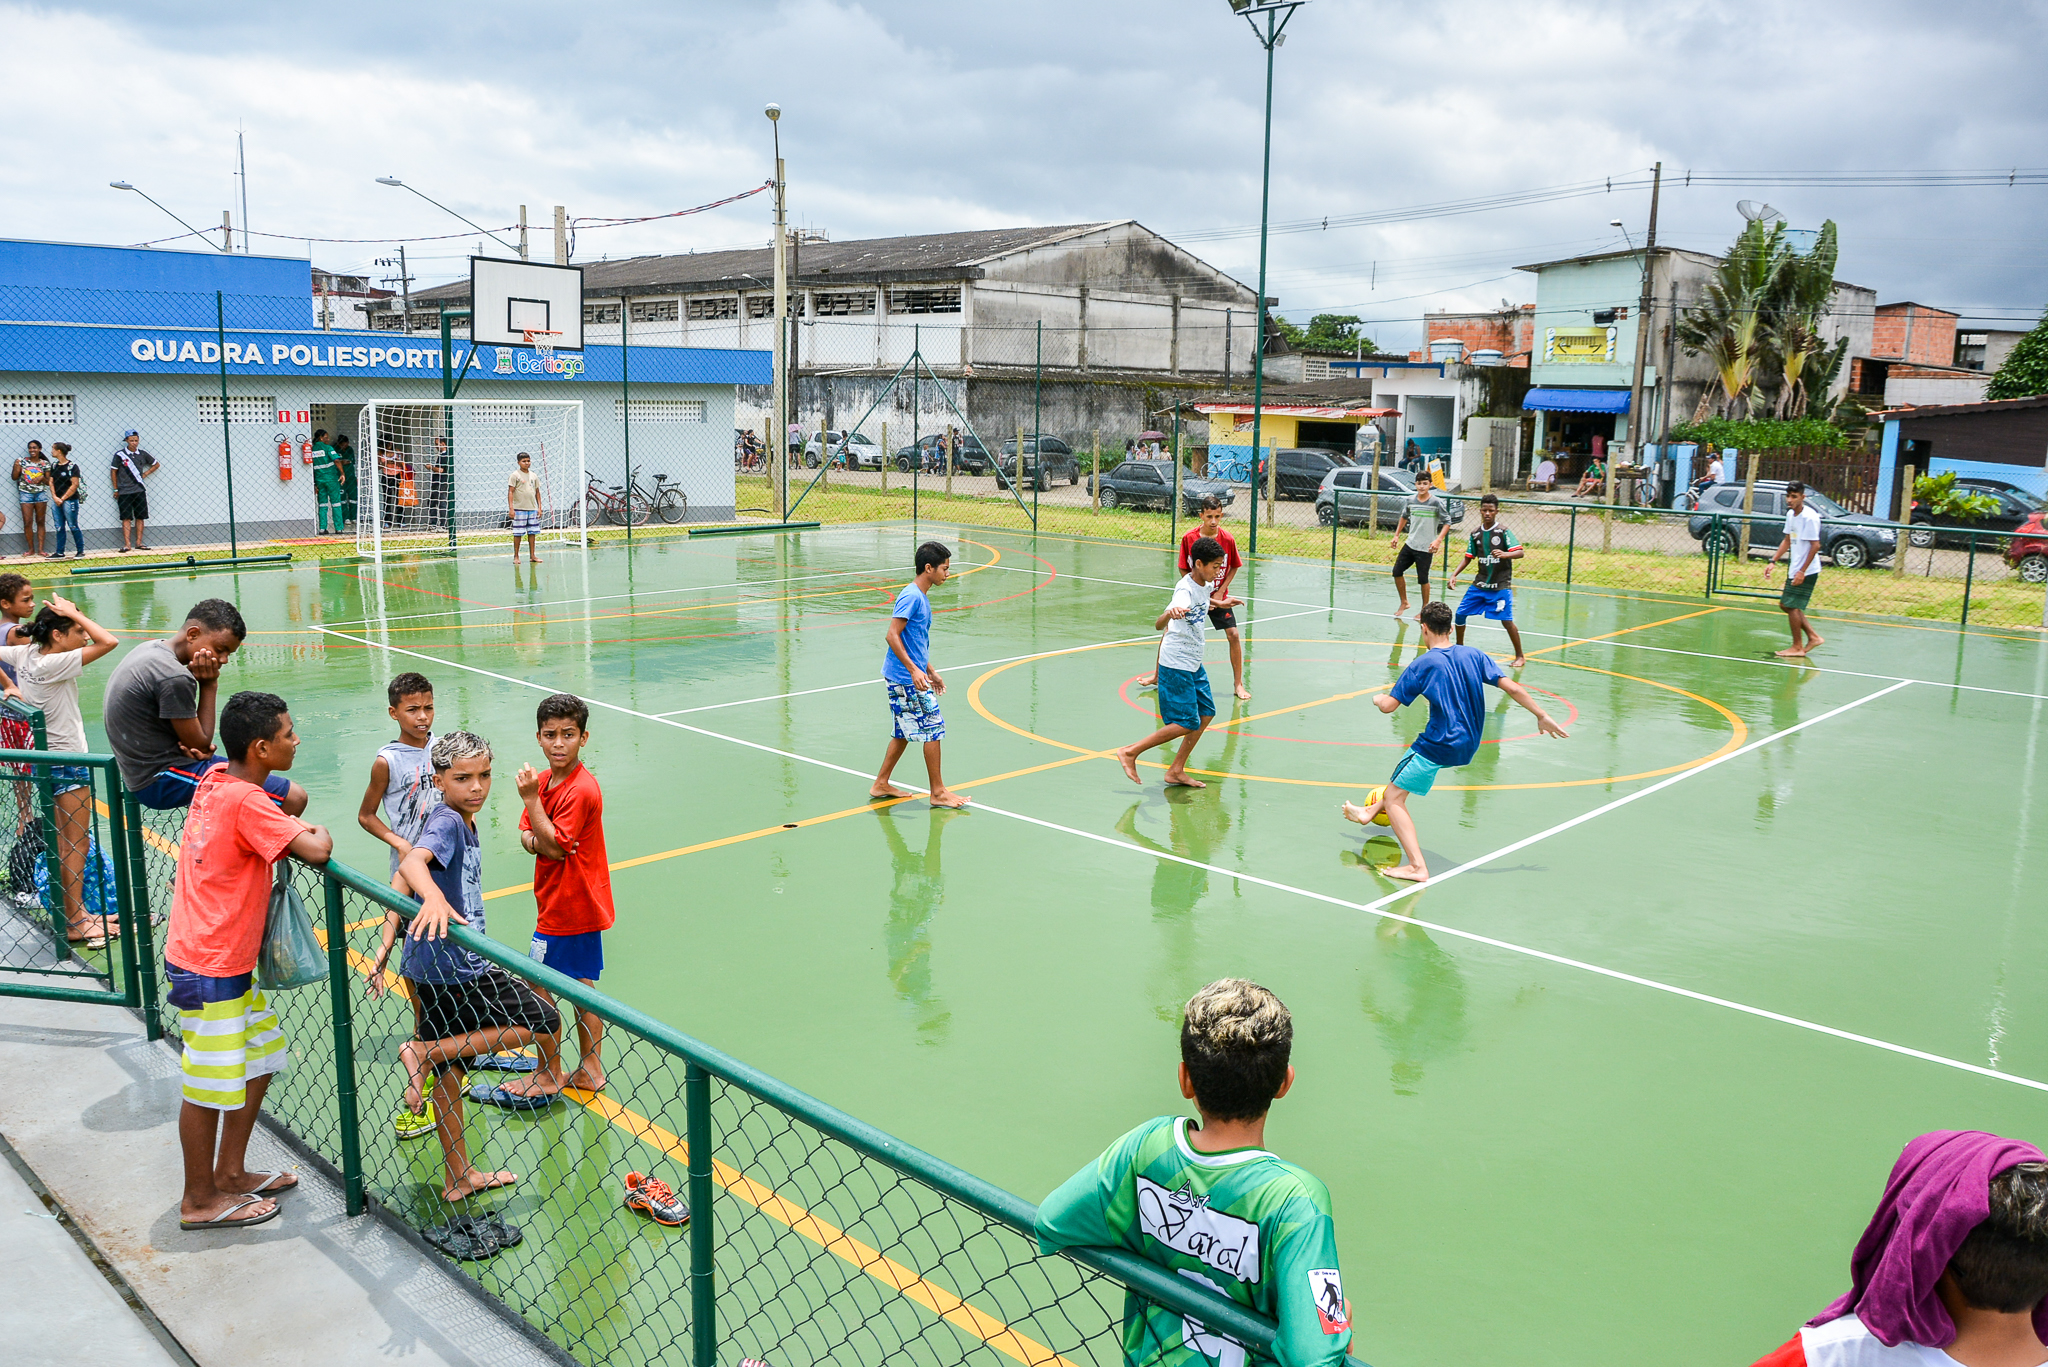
(902, 116)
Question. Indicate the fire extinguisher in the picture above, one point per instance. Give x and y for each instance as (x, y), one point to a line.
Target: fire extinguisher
(284, 456)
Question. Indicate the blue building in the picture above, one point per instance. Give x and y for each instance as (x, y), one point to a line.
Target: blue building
(95, 341)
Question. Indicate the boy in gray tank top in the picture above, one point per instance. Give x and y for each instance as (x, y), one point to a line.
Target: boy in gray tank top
(402, 777)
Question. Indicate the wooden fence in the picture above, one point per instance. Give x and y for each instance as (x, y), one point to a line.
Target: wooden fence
(1849, 477)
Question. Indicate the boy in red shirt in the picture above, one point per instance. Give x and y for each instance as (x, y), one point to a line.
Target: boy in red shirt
(1221, 604)
(563, 827)
(233, 1043)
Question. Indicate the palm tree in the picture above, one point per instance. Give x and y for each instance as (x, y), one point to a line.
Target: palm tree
(1802, 289)
(1727, 325)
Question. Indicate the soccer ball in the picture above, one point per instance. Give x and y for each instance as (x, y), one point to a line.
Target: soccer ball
(1381, 818)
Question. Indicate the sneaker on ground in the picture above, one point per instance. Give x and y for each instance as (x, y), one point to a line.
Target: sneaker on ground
(414, 1124)
(653, 1197)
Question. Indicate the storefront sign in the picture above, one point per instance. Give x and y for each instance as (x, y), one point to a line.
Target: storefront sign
(1579, 346)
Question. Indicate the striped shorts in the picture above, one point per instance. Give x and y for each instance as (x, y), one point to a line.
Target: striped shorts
(231, 1037)
(525, 521)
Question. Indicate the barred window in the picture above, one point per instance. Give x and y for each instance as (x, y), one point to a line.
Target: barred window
(943, 299)
(38, 409)
(724, 306)
(600, 313)
(387, 322)
(654, 311)
(241, 408)
(853, 303)
(662, 410)
(502, 415)
(763, 305)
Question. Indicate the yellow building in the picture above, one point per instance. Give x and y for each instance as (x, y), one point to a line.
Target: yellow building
(1283, 426)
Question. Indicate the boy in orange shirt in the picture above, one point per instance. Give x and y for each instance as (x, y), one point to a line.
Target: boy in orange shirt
(233, 1043)
(563, 826)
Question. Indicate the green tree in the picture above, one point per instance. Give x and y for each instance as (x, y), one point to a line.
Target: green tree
(2025, 372)
(1759, 321)
(1726, 326)
(1325, 332)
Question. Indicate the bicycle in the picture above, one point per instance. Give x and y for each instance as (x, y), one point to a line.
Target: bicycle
(612, 504)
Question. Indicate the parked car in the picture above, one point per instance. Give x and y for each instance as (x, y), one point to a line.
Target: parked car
(1851, 540)
(1045, 459)
(2015, 506)
(854, 450)
(1149, 484)
(1300, 471)
(2027, 552)
(1396, 487)
(971, 457)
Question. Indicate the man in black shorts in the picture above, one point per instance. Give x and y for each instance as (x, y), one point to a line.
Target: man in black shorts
(132, 465)
(1422, 518)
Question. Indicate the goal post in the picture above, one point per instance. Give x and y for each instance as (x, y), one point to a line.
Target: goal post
(435, 472)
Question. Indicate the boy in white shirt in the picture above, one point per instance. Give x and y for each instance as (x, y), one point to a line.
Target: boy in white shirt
(1185, 705)
(1802, 540)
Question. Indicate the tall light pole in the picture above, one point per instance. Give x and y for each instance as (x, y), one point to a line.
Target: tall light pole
(124, 185)
(1638, 421)
(779, 448)
(397, 184)
(1274, 14)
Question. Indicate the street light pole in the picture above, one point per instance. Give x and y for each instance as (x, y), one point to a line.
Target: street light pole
(124, 185)
(779, 463)
(1638, 422)
(1275, 13)
(398, 184)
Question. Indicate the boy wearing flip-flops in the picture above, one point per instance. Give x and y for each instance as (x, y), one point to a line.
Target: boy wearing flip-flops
(468, 1007)
(232, 1040)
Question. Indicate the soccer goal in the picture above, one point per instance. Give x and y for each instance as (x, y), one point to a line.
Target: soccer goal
(435, 473)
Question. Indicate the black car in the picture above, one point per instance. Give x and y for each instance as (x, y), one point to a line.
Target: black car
(1851, 540)
(2015, 505)
(971, 457)
(1045, 458)
(1354, 485)
(1299, 471)
(1149, 484)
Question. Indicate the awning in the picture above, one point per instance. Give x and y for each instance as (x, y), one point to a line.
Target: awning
(1277, 410)
(1577, 400)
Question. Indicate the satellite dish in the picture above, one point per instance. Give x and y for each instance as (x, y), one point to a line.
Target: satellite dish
(1754, 211)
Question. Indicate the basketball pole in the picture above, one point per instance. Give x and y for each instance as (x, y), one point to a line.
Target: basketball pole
(781, 390)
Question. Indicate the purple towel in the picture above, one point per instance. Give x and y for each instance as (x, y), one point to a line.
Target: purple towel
(1940, 1190)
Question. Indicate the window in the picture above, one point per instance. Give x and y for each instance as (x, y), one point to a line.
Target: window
(851, 304)
(941, 299)
(724, 306)
(654, 311)
(661, 410)
(1348, 479)
(387, 322)
(241, 408)
(1728, 498)
(600, 313)
(38, 409)
(502, 414)
(1145, 474)
(763, 306)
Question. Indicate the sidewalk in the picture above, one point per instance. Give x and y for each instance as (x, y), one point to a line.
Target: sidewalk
(92, 1110)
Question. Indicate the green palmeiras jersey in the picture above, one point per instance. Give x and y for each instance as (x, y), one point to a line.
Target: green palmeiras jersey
(1243, 1222)
(1483, 546)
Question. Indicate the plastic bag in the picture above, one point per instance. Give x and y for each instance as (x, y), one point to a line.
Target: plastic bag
(291, 955)
(99, 894)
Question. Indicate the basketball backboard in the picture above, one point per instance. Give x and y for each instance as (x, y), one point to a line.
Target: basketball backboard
(508, 298)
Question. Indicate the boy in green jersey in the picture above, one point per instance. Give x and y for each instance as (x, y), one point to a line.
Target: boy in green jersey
(1207, 1201)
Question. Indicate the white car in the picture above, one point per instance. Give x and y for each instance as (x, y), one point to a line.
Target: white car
(854, 450)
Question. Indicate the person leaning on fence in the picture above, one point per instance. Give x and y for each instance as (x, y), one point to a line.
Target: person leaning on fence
(1207, 1201)
(232, 1040)
(1953, 1267)
(32, 492)
(67, 499)
(62, 641)
(130, 466)
(158, 711)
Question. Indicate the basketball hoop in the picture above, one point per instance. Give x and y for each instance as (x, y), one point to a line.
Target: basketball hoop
(542, 340)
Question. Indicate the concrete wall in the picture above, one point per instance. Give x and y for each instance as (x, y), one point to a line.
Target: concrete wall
(1069, 408)
(1906, 386)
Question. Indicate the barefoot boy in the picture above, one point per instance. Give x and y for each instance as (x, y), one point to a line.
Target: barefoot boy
(467, 1005)
(1209, 1203)
(1802, 539)
(1423, 518)
(1221, 604)
(1184, 702)
(523, 505)
(1452, 677)
(1492, 592)
(914, 686)
(233, 833)
(563, 828)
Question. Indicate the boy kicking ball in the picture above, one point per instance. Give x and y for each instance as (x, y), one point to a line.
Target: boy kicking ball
(1184, 701)
(1453, 678)
(1491, 594)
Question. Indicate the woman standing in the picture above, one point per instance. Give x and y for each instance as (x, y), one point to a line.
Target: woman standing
(67, 493)
(62, 642)
(32, 491)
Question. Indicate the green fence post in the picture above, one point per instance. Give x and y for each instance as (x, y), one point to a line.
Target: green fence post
(626, 418)
(339, 981)
(1037, 437)
(1336, 519)
(132, 930)
(145, 940)
(1571, 542)
(1969, 577)
(703, 1287)
(53, 885)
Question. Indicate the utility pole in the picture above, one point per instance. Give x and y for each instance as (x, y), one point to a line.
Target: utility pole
(405, 289)
(779, 452)
(1637, 425)
(522, 232)
(242, 162)
(227, 230)
(561, 235)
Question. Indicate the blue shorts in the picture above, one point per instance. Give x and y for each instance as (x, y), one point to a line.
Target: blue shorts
(1184, 699)
(574, 956)
(1495, 605)
(917, 715)
(1413, 774)
(32, 495)
(65, 777)
(173, 788)
(525, 521)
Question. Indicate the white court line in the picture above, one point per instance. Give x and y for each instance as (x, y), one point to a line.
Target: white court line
(1378, 908)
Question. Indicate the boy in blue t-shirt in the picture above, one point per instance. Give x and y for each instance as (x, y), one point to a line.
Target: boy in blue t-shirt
(1453, 678)
(914, 686)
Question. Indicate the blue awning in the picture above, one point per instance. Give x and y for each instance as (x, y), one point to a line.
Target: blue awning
(1577, 400)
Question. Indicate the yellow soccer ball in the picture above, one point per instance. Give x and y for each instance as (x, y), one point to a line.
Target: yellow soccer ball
(1381, 819)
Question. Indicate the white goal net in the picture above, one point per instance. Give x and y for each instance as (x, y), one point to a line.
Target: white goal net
(436, 473)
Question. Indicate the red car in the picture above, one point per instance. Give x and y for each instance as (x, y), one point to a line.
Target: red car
(2027, 552)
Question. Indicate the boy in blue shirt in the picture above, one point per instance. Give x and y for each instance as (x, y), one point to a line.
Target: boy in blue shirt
(1453, 678)
(914, 686)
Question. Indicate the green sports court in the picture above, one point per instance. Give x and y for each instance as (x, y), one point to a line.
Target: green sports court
(1620, 1074)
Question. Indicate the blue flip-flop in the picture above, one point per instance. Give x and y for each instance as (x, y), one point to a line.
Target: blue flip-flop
(505, 1063)
(491, 1094)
